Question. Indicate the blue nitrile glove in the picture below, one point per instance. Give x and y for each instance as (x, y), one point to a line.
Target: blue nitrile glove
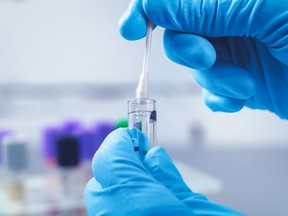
(125, 185)
(238, 50)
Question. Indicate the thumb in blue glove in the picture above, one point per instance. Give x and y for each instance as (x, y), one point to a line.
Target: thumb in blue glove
(237, 49)
(125, 185)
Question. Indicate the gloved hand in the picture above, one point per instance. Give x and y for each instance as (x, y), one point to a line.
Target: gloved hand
(125, 185)
(238, 50)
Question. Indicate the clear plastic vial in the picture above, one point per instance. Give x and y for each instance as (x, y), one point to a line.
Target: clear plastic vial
(15, 161)
(143, 116)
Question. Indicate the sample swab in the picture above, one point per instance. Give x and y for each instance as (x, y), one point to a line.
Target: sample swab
(142, 90)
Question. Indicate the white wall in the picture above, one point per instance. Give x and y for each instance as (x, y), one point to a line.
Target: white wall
(70, 40)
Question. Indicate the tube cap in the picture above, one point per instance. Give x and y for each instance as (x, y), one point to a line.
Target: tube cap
(3, 133)
(71, 127)
(102, 129)
(67, 149)
(50, 135)
(15, 153)
(87, 141)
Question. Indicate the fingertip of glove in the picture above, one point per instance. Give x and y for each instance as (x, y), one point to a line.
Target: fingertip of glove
(116, 157)
(91, 186)
(89, 192)
(117, 143)
(156, 152)
(133, 25)
(223, 104)
(189, 50)
(157, 157)
(90, 195)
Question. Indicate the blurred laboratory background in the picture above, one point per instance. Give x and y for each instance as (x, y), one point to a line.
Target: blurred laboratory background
(65, 78)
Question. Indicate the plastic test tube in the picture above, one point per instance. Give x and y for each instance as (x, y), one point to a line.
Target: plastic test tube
(15, 160)
(68, 160)
(143, 116)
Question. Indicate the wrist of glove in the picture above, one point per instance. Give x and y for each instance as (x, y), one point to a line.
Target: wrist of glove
(125, 185)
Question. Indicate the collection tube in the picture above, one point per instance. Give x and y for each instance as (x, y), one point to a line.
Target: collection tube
(143, 116)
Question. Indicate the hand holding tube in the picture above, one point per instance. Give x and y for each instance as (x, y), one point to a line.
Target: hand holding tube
(125, 185)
